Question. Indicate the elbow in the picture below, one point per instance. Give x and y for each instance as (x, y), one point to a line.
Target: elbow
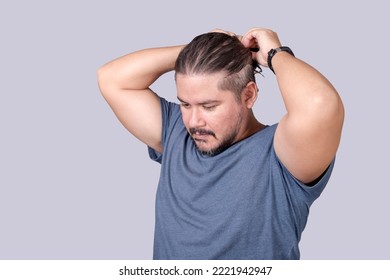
(328, 106)
(103, 79)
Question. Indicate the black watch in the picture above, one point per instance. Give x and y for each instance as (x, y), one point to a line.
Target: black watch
(272, 52)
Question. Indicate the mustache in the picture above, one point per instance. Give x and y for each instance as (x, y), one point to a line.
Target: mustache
(194, 131)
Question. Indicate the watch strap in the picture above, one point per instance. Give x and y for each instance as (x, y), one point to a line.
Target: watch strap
(272, 52)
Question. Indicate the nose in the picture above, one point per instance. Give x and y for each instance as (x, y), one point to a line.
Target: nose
(196, 119)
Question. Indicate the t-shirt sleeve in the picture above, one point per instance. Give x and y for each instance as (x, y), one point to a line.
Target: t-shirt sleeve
(306, 193)
(300, 195)
(169, 111)
(313, 191)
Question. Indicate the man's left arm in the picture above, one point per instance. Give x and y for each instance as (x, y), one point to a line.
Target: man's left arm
(308, 136)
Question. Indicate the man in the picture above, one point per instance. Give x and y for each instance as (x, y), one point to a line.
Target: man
(230, 186)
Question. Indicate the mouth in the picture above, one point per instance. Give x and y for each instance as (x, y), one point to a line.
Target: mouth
(200, 133)
(200, 138)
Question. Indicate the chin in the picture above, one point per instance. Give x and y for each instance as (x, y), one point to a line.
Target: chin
(212, 151)
(213, 147)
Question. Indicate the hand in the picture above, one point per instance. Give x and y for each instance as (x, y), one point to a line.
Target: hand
(261, 38)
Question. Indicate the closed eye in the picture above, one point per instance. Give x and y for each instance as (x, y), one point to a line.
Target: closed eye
(209, 108)
(185, 105)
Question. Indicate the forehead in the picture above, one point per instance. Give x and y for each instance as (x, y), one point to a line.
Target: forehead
(198, 88)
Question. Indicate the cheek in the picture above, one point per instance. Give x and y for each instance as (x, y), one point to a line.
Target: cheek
(222, 122)
(219, 121)
(184, 117)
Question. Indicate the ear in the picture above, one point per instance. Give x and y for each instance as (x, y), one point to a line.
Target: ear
(249, 95)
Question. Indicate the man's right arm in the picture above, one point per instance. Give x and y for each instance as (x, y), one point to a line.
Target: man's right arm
(125, 84)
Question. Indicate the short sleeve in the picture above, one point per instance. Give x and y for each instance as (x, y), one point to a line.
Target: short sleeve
(169, 111)
(307, 193)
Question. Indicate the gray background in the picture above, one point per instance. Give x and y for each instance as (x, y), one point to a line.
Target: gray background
(74, 184)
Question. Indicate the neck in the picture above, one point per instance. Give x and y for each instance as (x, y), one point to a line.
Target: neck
(252, 125)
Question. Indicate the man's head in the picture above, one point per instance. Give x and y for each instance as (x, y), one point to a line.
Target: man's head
(217, 52)
(216, 87)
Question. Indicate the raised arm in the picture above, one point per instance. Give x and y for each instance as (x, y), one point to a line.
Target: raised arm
(125, 84)
(308, 136)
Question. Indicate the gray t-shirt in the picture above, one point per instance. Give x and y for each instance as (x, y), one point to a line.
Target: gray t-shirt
(240, 204)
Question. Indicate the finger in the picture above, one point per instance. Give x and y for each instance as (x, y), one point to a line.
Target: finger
(249, 41)
(252, 35)
(217, 30)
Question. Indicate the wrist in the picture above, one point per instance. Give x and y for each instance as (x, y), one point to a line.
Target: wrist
(274, 52)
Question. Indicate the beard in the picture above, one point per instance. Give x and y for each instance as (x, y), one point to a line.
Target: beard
(225, 142)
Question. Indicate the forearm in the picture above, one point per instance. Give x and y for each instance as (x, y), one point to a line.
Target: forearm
(305, 91)
(138, 70)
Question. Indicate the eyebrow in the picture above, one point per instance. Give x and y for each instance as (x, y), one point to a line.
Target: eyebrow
(206, 102)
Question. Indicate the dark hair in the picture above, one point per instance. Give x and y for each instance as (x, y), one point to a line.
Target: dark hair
(215, 52)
